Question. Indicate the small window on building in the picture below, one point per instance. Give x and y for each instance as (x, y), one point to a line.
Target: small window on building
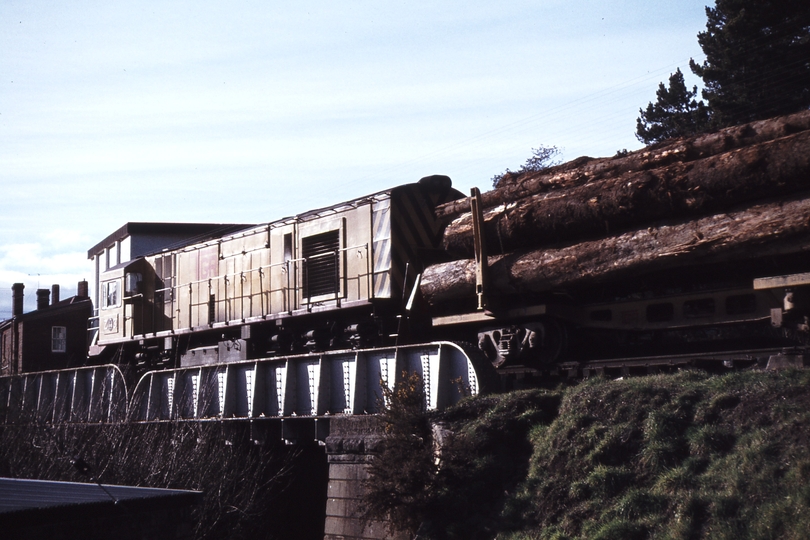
(109, 294)
(58, 339)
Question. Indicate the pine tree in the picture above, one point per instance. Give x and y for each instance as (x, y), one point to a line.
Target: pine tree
(757, 59)
(676, 113)
(542, 158)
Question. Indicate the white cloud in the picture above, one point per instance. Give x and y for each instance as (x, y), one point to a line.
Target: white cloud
(38, 266)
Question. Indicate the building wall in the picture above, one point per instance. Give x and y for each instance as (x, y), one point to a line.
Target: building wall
(7, 359)
(37, 354)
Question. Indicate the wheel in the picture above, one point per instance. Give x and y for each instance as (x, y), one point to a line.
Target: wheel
(548, 341)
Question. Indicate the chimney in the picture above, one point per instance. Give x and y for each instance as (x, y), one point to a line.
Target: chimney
(82, 289)
(43, 296)
(17, 299)
(54, 294)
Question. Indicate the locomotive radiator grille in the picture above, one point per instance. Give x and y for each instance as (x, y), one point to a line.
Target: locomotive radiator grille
(320, 251)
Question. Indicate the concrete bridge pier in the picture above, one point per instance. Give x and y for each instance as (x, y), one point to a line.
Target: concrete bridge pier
(350, 446)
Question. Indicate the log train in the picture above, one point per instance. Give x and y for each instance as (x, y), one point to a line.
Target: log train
(689, 253)
(353, 276)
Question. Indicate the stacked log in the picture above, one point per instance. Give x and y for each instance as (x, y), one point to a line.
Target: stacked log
(586, 169)
(732, 194)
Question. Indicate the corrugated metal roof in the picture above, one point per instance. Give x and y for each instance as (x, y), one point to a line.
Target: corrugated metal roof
(17, 495)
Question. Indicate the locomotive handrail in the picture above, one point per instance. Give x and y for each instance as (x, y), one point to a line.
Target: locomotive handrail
(244, 275)
(258, 268)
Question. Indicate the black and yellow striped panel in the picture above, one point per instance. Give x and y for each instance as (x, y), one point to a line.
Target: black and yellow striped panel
(414, 228)
(381, 248)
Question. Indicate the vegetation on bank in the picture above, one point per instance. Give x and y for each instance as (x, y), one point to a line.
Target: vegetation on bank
(249, 491)
(679, 456)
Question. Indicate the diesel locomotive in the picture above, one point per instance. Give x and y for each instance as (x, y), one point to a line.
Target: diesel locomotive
(347, 277)
(333, 278)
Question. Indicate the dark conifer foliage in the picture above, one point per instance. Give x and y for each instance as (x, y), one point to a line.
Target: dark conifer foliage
(542, 158)
(676, 113)
(757, 59)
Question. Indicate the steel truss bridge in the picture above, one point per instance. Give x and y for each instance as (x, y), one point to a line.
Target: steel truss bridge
(301, 391)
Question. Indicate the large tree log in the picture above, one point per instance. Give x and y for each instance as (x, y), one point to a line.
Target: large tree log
(709, 185)
(584, 170)
(758, 231)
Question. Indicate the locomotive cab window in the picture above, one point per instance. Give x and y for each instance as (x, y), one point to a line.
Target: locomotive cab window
(109, 294)
(321, 253)
(133, 283)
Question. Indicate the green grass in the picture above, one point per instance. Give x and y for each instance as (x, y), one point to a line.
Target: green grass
(684, 456)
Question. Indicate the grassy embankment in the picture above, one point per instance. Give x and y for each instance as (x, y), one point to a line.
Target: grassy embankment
(668, 457)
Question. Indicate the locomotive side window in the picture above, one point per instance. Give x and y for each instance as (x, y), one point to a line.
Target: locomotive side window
(660, 312)
(602, 315)
(110, 296)
(741, 303)
(321, 269)
(288, 254)
(695, 309)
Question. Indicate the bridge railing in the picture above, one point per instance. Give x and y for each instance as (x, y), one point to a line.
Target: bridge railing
(348, 382)
(330, 383)
(95, 394)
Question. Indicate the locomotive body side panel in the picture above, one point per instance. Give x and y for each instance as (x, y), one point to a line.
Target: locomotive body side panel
(281, 275)
(197, 283)
(240, 286)
(321, 265)
(357, 255)
(334, 257)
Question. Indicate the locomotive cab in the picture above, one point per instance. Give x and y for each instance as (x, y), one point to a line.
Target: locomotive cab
(123, 294)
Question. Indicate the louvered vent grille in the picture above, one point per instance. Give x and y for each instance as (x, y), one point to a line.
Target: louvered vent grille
(321, 267)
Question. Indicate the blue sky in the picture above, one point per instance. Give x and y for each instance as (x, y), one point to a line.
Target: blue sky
(247, 112)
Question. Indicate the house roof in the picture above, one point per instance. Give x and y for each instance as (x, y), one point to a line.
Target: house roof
(63, 306)
(22, 496)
